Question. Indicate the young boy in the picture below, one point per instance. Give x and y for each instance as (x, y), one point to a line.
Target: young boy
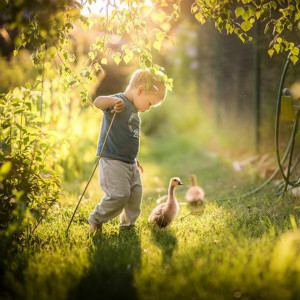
(118, 168)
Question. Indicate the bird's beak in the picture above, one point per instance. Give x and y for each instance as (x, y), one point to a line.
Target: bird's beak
(180, 183)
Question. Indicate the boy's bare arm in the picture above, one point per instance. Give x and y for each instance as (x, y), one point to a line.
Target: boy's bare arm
(104, 102)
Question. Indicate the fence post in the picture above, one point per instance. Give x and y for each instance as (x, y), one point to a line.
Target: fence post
(218, 72)
(257, 98)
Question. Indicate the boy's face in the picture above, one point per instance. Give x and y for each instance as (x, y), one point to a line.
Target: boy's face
(143, 101)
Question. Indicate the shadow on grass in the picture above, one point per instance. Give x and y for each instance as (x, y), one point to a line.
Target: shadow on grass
(196, 208)
(12, 265)
(111, 275)
(166, 240)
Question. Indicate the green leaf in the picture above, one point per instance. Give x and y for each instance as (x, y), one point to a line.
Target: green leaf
(294, 59)
(239, 11)
(157, 45)
(104, 61)
(297, 16)
(5, 168)
(169, 84)
(160, 36)
(200, 18)
(295, 51)
(117, 57)
(15, 53)
(28, 104)
(92, 55)
(251, 10)
(28, 85)
(246, 26)
(127, 59)
(271, 52)
(274, 4)
(128, 56)
(229, 28)
(194, 8)
(52, 51)
(277, 48)
(293, 222)
(97, 66)
(246, 16)
(26, 140)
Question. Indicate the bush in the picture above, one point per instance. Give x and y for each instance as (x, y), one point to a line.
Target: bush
(28, 186)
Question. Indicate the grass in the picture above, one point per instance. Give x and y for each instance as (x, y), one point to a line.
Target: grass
(243, 249)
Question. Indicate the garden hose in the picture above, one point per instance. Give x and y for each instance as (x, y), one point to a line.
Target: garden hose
(285, 177)
(97, 161)
(263, 184)
(287, 181)
(289, 149)
(297, 160)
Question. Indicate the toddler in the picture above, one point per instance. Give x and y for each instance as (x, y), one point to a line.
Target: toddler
(118, 167)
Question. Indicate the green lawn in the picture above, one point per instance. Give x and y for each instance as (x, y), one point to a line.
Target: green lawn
(244, 249)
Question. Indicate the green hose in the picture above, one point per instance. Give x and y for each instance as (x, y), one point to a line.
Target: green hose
(287, 181)
(286, 178)
(288, 151)
(263, 184)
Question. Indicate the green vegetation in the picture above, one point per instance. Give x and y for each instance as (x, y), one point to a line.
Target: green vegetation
(237, 249)
(54, 59)
(64, 74)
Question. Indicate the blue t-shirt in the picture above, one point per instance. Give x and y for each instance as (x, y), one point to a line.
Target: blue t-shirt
(124, 138)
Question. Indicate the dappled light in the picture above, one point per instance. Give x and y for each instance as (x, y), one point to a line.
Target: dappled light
(108, 109)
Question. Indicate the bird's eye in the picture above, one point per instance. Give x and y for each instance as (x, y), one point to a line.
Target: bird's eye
(175, 179)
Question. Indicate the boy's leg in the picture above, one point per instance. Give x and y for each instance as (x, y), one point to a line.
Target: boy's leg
(132, 207)
(115, 179)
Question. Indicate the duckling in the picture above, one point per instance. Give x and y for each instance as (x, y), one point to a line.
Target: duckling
(165, 213)
(195, 193)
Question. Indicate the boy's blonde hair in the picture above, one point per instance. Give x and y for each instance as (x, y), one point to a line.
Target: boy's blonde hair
(147, 79)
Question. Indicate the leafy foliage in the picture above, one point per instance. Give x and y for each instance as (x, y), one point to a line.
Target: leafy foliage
(239, 16)
(28, 186)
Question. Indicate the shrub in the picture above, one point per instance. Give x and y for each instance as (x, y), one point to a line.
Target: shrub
(28, 186)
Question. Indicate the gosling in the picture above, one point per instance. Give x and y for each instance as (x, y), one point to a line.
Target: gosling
(195, 194)
(165, 213)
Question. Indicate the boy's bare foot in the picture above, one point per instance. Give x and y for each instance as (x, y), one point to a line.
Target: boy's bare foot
(95, 226)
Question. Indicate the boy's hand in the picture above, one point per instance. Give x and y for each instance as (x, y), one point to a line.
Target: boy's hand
(139, 166)
(118, 107)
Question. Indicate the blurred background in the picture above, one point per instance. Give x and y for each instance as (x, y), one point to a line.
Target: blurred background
(224, 92)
